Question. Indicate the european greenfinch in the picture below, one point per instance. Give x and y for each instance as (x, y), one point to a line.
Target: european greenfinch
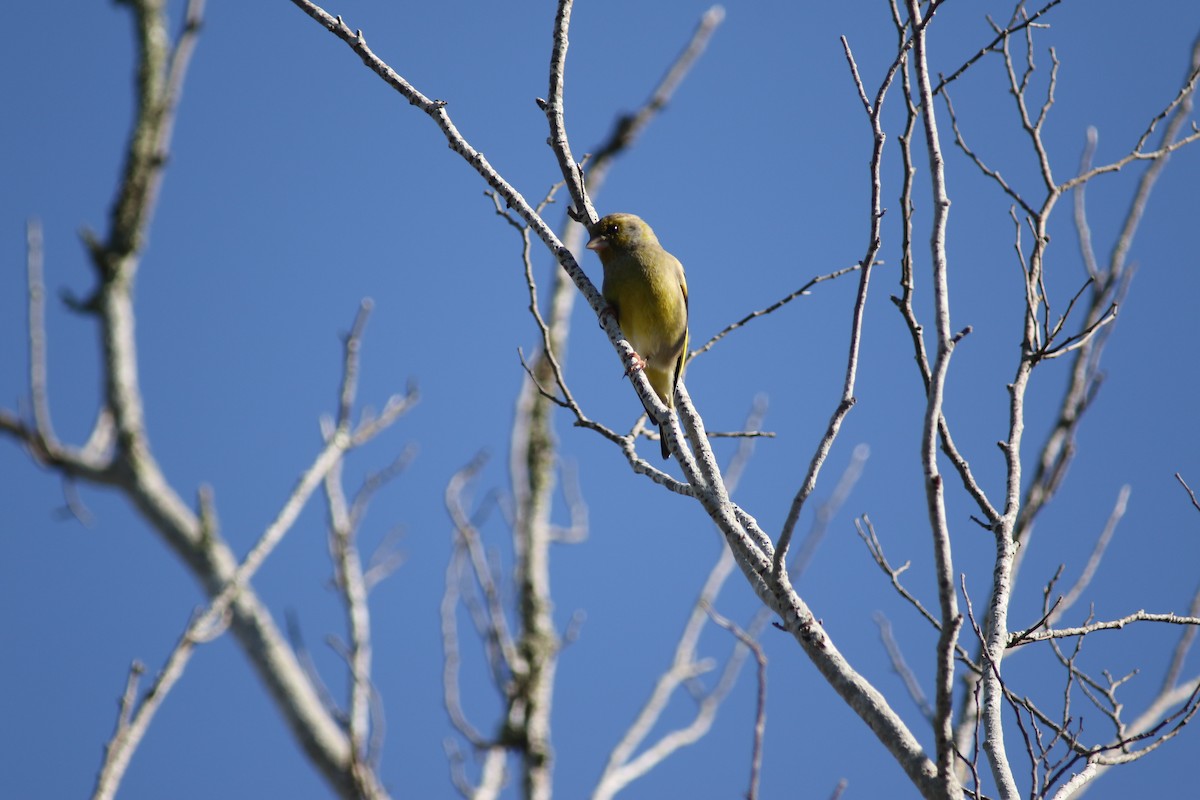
(647, 291)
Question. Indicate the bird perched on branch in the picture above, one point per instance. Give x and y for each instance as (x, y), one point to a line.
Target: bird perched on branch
(647, 291)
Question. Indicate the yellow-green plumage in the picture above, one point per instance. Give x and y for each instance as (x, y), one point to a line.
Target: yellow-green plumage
(647, 290)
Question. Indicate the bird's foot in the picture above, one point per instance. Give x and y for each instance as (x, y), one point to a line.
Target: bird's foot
(636, 364)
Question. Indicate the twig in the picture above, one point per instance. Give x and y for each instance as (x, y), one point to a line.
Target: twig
(1105, 625)
(37, 333)
(499, 638)
(571, 170)
(901, 668)
(1097, 555)
(622, 768)
(629, 126)
(866, 532)
(1175, 668)
(1027, 22)
(874, 112)
(1188, 489)
(949, 616)
(803, 291)
(211, 623)
(825, 511)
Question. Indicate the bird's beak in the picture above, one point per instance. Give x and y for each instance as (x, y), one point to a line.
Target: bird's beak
(597, 242)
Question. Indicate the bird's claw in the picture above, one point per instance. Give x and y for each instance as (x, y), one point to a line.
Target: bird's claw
(636, 364)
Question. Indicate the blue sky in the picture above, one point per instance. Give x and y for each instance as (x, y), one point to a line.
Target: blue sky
(300, 184)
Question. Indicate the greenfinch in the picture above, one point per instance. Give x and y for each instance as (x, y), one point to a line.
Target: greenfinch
(647, 291)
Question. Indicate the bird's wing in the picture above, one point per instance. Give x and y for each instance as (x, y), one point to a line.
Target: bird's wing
(684, 350)
(683, 286)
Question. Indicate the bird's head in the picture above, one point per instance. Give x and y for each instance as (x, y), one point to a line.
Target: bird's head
(620, 232)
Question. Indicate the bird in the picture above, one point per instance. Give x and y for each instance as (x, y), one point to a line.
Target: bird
(646, 289)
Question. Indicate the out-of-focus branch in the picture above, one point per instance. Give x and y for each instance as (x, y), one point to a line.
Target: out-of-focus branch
(623, 767)
(345, 517)
(92, 462)
(1097, 555)
(1184, 645)
(900, 666)
(491, 624)
(532, 453)
(1107, 289)
(503, 655)
(629, 126)
(1166, 717)
(355, 778)
(160, 78)
(37, 334)
(118, 452)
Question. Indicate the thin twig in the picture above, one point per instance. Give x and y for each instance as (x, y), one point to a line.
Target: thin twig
(1106, 625)
(803, 291)
(1188, 489)
(874, 113)
(901, 668)
(991, 46)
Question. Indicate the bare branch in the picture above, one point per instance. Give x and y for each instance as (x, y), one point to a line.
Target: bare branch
(436, 110)
(629, 126)
(1093, 562)
(572, 172)
(950, 618)
(1175, 669)
(212, 622)
(825, 511)
(904, 303)
(1082, 228)
(874, 113)
(901, 668)
(451, 658)
(1106, 625)
(1188, 489)
(866, 532)
(503, 653)
(37, 333)
(994, 174)
(1026, 22)
(364, 713)
(622, 767)
(803, 291)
